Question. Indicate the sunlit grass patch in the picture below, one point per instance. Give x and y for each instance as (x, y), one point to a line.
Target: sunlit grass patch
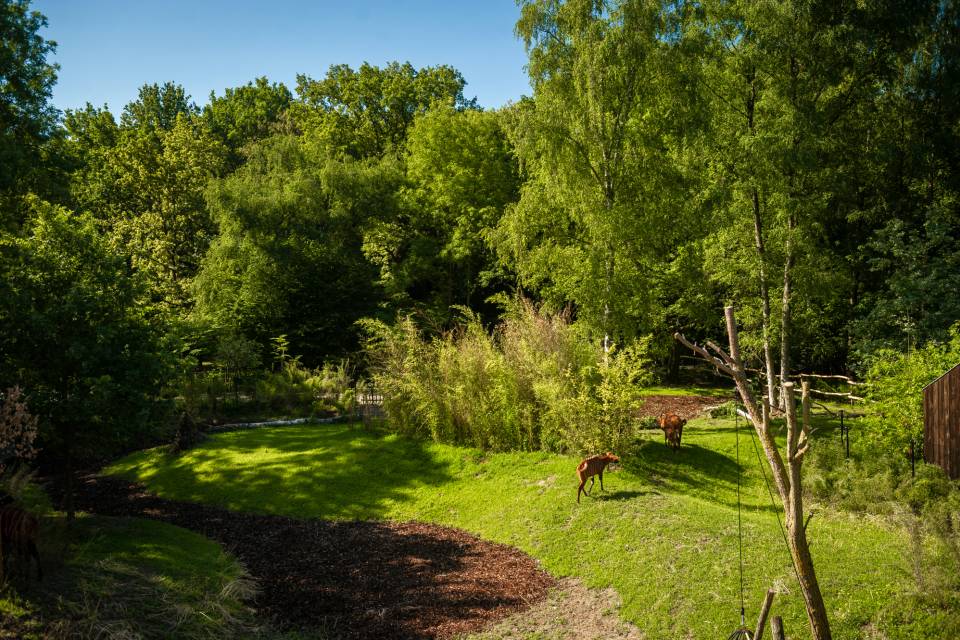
(668, 390)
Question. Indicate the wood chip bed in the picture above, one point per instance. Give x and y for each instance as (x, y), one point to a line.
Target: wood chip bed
(351, 579)
(687, 407)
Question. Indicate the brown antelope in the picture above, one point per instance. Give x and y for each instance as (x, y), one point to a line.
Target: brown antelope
(593, 466)
(19, 530)
(672, 426)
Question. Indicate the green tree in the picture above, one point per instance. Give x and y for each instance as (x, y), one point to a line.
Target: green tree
(364, 113)
(787, 85)
(434, 251)
(157, 107)
(74, 331)
(786, 82)
(287, 259)
(905, 219)
(27, 119)
(167, 229)
(896, 380)
(246, 114)
(91, 135)
(595, 211)
(145, 183)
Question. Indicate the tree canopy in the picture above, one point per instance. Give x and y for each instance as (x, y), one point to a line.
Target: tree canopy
(797, 159)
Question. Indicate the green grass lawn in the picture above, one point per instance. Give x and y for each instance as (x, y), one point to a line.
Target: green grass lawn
(664, 534)
(668, 390)
(130, 578)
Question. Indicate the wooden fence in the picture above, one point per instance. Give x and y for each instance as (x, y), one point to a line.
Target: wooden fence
(941, 422)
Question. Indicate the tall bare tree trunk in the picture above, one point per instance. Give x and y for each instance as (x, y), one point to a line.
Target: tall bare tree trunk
(608, 194)
(765, 301)
(751, 105)
(68, 503)
(797, 446)
(786, 469)
(785, 316)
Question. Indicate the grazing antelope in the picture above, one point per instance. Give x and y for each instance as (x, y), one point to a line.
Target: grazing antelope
(672, 426)
(593, 466)
(18, 532)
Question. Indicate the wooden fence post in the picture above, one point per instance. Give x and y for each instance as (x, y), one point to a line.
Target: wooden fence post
(764, 612)
(776, 628)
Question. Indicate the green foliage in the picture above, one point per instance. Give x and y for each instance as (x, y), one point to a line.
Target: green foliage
(157, 107)
(145, 181)
(896, 388)
(290, 387)
(287, 260)
(246, 114)
(788, 94)
(533, 383)
(328, 389)
(597, 210)
(367, 112)
(281, 349)
(928, 507)
(237, 356)
(75, 331)
(26, 117)
(868, 482)
(907, 222)
(434, 251)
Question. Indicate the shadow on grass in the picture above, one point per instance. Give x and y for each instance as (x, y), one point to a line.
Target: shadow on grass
(117, 577)
(692, 467)
(623, 495)
(327, 471)
(698, 471)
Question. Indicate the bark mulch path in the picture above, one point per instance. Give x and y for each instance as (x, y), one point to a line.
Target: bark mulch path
(350, 579)
(686, 407)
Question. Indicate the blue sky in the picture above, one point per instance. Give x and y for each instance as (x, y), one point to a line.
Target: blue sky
(107, 49)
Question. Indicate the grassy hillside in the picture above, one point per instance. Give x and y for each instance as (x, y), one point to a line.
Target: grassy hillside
(664, 534)
(123, 577)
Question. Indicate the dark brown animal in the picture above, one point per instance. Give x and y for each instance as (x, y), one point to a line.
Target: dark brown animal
(672, 426)
(19, 530)
(590, 467)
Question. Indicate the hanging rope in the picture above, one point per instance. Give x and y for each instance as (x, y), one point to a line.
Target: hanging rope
(739, 521)
(776, 509)
(741, 633)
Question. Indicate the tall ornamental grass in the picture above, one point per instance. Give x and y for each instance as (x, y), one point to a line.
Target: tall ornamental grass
(536, 381)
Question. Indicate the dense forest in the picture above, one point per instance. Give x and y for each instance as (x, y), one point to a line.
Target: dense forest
(796, 159)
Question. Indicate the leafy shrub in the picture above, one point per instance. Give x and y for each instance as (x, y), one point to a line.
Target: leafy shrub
(646, 423)
(725, 410)
(896, 382)
(332, 387)
(286, 389)
(324, 390)
(927, 505)
(535, 382)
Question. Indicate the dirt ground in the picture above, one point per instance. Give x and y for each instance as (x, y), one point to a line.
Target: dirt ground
(571, 612)
(686, 407)
(351, 579)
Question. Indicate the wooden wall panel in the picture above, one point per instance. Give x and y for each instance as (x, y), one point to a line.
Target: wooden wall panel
(941, 422)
